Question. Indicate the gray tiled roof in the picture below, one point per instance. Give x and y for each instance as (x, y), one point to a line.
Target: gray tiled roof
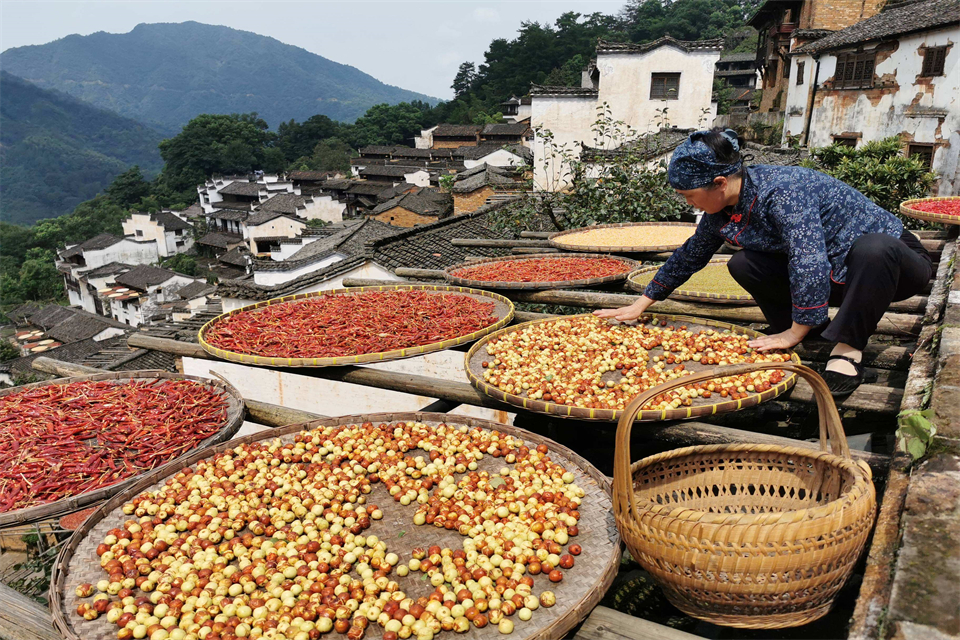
(263, 216)
(376, 149)
(230, 214)
(367, 188)
(739, 57)
(425, 203)
(220, 239)
(565, 92)
(428, 246)
(399, 189)
(145, 275)
(236, 256)
(311, 175)
(409, 152)
(505, 129)
(350, 241)
(250, 189)
(236, 206)
(50, 316)
(605, 46)
(456, 130)
(80, 327)
(762, 154)
(484, 175)
(75, 352)
(169, 221)
(21, 313)
(249, 290)
(195, 290)
(109, 269)
(97, 242)
(895, 20)
(648, 145)
(285, 203)
(393, 171)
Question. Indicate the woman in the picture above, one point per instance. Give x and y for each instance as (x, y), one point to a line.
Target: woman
(809, 241)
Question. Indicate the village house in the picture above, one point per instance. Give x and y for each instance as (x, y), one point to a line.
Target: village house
(241, 193)
(502, 134)
(636, 83)
(138, 294)
(511, 155)
(171, 233)
(515, 109)
(786, 24)
(91, 281)
(474, 187)
(393, 174)
(896, 73)
(451, 136)
(306, 207)
(422, 206)
(264, 228)
(738, 74)
(310, 182)
(105, 251)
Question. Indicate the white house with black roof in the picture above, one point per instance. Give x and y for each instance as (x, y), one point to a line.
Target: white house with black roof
(172, 233)
(136, 295)
(897, 73)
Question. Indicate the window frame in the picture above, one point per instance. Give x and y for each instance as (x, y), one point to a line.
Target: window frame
(846, 141)
(855, 70)
(922, 148)
(800, 70)
(934, 61)
(664, 77)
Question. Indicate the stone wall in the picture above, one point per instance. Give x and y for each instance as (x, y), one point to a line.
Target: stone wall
(470, 202)
(400, 217)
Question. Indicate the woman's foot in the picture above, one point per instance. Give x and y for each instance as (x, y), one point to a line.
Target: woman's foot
(844, 373)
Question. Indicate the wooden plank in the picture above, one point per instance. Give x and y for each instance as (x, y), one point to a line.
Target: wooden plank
(276, 415)
(22, 618)
(533, 250)
(608, 624)
(894, 324)
(878, 355)
(536, 235)
(868, 397)
(425, 274)
(63, 369)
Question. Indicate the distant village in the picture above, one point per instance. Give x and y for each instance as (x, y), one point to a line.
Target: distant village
(839, 72)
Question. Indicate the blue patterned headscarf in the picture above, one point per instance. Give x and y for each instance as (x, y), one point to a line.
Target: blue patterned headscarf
(694, 164)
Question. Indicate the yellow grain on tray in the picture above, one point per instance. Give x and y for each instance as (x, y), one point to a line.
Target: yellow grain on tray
(639, 236)
(714, 278)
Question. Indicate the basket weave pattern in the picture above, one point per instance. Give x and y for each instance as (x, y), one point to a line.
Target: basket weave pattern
(750, 536)
(553, 240)
(906, 208)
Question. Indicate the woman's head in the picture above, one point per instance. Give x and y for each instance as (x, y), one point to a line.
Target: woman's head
(706, 167)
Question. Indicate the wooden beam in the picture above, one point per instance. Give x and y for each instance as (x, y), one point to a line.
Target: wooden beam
(536, 235)
(274, 415)
(879, 355)
(63, 369)
(424, 274)
(533, 250)
(895, 324)
(608, 624)
(23, 618)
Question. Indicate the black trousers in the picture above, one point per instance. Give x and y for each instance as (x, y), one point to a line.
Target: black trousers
(880, 269)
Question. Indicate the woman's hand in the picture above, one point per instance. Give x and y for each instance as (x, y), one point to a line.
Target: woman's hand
(786, 340)
(625, 314)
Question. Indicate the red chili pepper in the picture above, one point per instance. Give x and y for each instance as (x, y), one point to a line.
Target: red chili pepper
(351, 324)
(544, 270)
(63, 440)
(943, 207)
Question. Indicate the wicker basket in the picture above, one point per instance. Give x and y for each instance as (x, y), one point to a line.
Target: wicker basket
(449, 273)
(906, 208)
(745, 535)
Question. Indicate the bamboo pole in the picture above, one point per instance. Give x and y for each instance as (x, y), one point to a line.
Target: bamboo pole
(894, 324)
(497, 243)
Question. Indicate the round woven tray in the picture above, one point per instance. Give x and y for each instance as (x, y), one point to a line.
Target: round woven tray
(691, 294)
(503, 310)
(702, 406)
(620, 248)
(907, 209)
(629, 265)
(581, 589)
(64, 506)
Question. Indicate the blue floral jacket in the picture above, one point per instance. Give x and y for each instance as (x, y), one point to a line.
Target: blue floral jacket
(807, 215)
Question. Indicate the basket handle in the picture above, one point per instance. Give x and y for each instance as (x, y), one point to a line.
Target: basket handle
(831, 429)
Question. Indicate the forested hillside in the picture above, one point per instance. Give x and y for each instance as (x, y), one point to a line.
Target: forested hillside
(56, 151)
(165, 74)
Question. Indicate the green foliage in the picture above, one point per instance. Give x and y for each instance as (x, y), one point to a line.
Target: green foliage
(915, 432)
(878, 170)
(446, 182)
(723, 94)
(389, 124)
(465, 79)
(182, 263)
(316, 223)
(56, 152)
(332, 154)
(129, 188)
(569, 74)
(8, 351)
(299, 139)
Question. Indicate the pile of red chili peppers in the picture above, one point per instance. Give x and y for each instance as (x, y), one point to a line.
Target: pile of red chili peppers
(62, 440)
(943, 207)
(544, 270)
(351, 324)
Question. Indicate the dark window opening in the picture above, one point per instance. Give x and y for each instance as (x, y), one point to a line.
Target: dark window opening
(923, 153)
(664, 86)
(933, 61)
(845, 141)
(139, 233)
(800, 66)
(771, 72)
(786, 68)
(854, 71)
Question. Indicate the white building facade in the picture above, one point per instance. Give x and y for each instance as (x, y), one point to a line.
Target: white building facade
(172, 234)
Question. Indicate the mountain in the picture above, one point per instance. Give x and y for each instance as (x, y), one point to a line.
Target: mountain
(165, 74)
(56, 151)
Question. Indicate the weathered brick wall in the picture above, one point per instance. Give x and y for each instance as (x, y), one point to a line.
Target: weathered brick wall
(470, 202)
(453, 144)
(400, 217)
(840, 14)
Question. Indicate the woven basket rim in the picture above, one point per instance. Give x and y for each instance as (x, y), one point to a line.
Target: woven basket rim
(552, 240)
(381, 356)
(70, 504)
(927, 216)
(558, 628)
(612, 415)
(689, 294)
(448, 273)
(855, 491)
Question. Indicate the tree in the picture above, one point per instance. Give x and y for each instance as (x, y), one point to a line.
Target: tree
(299, 139)
(388, 124)
(465, 79)
(182, 263)
(8, 351)
(39, 279)
(129, 187)
(332, 154)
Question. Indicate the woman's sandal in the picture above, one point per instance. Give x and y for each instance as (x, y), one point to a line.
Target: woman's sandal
(840, 384)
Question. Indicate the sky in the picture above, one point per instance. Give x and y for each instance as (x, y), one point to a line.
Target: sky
(416, 45)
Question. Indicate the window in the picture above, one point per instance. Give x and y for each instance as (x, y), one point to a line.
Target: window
(922, 152)
(845, 141)
(771, 71)
(854, 71)
(664, 86)
(933, 59)
(786, 68)
(139, 233)
(180, 243)
(800, 66)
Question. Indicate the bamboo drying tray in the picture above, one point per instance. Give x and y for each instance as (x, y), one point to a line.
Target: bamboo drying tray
(906, 208)
(448, 273)
(744, 535)
(581, 589)
(702, 407)
(694, 295)
(624, 248)
(503, 310)
(235, 409)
